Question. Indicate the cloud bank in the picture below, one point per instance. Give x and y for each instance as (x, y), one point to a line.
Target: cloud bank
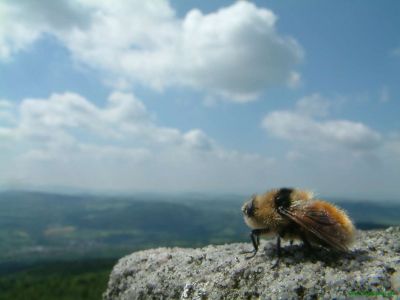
(303, 125)
(235, 53)
(67, 141)
(340, 157)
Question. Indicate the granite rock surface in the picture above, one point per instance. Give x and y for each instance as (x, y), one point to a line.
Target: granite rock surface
(370, 270)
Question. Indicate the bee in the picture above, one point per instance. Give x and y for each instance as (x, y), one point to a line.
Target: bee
(295, 214)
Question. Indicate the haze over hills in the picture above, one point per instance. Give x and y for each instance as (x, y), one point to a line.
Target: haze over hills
(72, 241)
(44, 226)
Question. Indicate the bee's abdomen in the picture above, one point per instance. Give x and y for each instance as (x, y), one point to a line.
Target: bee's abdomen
(341, 226)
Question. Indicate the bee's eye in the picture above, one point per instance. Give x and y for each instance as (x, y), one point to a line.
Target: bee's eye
(251, 208)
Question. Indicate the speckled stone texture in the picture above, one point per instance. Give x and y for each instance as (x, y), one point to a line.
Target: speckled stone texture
(370, 270)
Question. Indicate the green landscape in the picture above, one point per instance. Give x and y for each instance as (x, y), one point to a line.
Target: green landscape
(55, 246)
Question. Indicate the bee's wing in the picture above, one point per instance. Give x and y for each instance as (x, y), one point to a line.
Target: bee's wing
(319, 223)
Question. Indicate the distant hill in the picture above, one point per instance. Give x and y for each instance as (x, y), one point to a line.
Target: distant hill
(43, 226)
(72, 241)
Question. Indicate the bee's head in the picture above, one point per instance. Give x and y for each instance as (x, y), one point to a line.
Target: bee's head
(252, 213)
(249, 207)
(260, 211)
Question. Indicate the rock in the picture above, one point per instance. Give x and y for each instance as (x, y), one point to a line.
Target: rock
(370, 269)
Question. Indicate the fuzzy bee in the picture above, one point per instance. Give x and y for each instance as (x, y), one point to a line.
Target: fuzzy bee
(295, 214)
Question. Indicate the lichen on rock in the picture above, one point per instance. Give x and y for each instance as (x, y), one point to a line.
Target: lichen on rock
(371, 268)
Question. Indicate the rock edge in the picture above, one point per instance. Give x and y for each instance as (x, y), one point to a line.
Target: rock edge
(371, 269)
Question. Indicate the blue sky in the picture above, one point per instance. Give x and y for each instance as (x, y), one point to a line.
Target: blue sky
(201, 96)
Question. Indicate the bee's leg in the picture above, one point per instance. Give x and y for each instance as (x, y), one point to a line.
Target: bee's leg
(255, 240)
(278, 246)
(291, 242)
(306, 243)
(278, 252)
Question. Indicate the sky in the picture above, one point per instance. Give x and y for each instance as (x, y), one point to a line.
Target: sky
(201, 96)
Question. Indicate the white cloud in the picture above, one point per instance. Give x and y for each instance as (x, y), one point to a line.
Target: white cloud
(14, 36)
(4, 104)
(62, 117)
(25, 21)
(301, 126)
(66, 140)
(235, 52)
(6, 112)
(336, 157)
